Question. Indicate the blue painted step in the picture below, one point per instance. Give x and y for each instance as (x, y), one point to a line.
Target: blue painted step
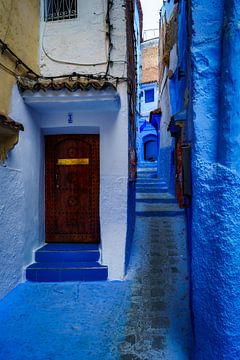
(68, 252)
(71, 271)
(153, 186)
(151, 191)
(149, 180)
(67, 262)
(147, 164)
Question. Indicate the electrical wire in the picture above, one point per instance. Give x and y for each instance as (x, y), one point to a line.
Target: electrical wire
(69, 62)
(94, 76)
(9, 71)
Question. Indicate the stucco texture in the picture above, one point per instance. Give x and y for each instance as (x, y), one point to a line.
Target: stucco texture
(12, 228)
(20, 31)
(216, 204)
(21, 199)
(68, 46)
(215, 262)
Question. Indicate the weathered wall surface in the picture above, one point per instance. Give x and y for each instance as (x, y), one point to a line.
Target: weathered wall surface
(164, 166)
(149, 60)
(170, 93)
(81, 45)
(216, 180)
(21, 198)
(12, 228)
(20, 31)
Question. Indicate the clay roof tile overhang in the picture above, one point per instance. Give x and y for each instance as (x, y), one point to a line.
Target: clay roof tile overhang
(8, 123)
(63, 93)
(71, 85)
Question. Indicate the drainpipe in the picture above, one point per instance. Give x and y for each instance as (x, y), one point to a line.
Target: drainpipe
(229, 136)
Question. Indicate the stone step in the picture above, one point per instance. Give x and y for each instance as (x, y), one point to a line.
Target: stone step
(146, 171)
(59, 272)
(150, 186)
(171, 214)
(142, 206)
(150, 180)
(149, 191)
(147, 164)
(156, 200)
(164, 195)
(68, 253)
(147, 175)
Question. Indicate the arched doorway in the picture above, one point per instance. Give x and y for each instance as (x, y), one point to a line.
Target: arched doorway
(150, 147)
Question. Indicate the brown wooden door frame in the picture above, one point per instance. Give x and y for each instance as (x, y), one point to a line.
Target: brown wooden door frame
(72, 199)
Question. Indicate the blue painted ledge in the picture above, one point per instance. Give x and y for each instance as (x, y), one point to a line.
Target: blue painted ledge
(160, 213)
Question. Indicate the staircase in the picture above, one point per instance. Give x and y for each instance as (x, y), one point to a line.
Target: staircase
(152, 195)
(147, 180)
(67, 262)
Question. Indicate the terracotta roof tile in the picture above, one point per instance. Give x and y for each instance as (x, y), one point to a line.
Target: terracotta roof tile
(6, 121)
(59, 84)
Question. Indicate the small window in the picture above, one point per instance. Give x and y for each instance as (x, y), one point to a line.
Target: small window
(60, 9)
(149, 95)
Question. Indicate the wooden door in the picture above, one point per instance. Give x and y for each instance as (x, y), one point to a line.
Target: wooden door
(72, 188)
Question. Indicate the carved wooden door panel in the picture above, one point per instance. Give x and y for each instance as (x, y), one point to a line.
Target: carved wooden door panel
(72, 188)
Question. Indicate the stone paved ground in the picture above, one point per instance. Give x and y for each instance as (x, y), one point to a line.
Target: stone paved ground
(158, 320)
(145, 317)
(64, 321)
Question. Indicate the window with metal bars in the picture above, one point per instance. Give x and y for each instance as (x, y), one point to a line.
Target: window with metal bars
(60, 10)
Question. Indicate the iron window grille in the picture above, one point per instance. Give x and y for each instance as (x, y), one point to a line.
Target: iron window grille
(60, 9)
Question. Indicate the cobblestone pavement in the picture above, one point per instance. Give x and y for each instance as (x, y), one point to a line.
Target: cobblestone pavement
(158, 320)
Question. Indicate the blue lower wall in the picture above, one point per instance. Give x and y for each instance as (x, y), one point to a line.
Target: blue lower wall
(131, 221)
(165, 165)
(215, 232)
(212, 104)
(216, 261)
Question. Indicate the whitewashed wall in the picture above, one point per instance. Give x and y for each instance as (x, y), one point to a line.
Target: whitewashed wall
(111, 124)
(146, 108)
(66, 44)
(22, 201)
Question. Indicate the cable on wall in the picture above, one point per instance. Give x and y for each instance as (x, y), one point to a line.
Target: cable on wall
(104, 75)
(6, 50)
(65, 62)
(108, 61)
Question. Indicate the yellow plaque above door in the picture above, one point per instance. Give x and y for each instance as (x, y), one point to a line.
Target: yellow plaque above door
(73, 162)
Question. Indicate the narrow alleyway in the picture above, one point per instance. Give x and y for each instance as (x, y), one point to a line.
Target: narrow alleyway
(158, 320)
(145, 317)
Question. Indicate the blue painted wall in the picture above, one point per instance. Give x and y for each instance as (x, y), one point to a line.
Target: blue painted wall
(215, 55)
(144, 128)
(131, 217)
(175, 94)
(145, 131)
(209, 54)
